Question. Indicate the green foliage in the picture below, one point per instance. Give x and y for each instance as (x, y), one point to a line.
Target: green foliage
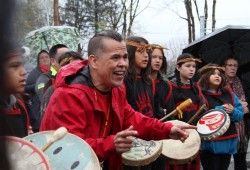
(28, 17)
(90, 16)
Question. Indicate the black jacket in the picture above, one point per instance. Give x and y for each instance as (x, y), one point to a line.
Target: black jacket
(34, 102)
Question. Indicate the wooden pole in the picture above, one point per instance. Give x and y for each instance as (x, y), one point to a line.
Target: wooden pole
(56, 13)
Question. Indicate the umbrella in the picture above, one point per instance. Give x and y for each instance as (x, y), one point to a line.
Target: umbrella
(229, 40)
(45, 37)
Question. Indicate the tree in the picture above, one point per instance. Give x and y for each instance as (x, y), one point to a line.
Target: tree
(130, 10)
(213, 15)
(190, 17)
(26, 18)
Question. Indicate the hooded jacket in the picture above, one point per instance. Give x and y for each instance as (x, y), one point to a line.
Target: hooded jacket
(73, 105)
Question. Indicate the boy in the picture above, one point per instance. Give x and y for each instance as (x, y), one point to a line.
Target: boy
(14, 120)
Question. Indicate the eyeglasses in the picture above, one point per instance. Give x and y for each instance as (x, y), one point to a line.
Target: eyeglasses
(232, 65)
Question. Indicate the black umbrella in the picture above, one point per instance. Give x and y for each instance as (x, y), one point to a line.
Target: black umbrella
(216, 46)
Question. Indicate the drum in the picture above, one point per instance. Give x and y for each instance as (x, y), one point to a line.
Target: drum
(142, 153)
(213, 124)
(177, 152)
(70, 152)
(24, 155)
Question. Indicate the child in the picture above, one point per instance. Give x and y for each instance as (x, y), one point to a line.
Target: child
(164, 101)
(184, 88)
(140, 88)
(14, 117)
(216, 154)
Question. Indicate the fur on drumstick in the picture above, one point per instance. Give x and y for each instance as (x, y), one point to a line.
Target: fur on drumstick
(58, 134)
(178, 109)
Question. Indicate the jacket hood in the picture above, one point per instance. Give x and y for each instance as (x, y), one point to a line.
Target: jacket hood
(69, 71)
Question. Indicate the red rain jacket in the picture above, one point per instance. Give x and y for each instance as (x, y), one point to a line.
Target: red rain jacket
(73, 106)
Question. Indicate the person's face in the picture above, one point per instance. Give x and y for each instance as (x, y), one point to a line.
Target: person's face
(187, 70)
(141, 59)
(44, 59)
(54, 61)
(215, 79)
(157, 59)
(111, 65)
(231, 68)
(14, 75)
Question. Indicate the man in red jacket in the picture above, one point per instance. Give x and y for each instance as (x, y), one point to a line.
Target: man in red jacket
(90, 101)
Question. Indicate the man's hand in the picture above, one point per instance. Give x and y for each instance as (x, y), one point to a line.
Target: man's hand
(122, 141)
(179, 132)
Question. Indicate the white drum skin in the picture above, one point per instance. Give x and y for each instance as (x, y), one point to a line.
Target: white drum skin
(142, 153)
(177, 152)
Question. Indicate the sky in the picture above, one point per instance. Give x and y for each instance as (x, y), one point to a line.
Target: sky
(160, 24)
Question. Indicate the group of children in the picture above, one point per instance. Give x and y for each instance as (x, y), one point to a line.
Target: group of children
(149, 92)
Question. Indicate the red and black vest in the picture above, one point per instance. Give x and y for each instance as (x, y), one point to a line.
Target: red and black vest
(187, 91)
(140, 96)
(163, 97)
(14, 122)
(218, 99)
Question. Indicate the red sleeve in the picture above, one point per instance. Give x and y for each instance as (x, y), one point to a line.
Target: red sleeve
(69, 108)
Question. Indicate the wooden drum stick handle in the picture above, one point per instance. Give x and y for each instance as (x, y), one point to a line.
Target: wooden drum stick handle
(183, 105)
(196, 114)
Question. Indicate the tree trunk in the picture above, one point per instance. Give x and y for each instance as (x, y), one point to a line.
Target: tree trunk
(190, 20)
(205, 17)
(213, 16)
(197, 9)
(56, 14)
(124, 25)
(96, 15)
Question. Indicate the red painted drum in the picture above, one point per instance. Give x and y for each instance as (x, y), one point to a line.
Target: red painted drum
(24, 155)
(213, 124)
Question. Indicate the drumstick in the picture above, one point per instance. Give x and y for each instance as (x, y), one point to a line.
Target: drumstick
(58, 134)
(178, 109)
(196, 114)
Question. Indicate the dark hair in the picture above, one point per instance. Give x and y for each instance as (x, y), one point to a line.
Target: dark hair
(131, 74)
(163, 68)
(96, 45)
(53, 49)
(38, 56)
(205, 77)
(178, 78)
(72, 55)
(230, 57)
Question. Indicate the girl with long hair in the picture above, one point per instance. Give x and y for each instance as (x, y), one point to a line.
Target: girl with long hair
(164, 102)
(216, 154)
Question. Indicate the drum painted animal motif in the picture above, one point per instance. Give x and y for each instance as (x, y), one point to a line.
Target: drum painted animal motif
(177, 152)
(24, 155)
(142, 153)
(70, 152)
(213, 124)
